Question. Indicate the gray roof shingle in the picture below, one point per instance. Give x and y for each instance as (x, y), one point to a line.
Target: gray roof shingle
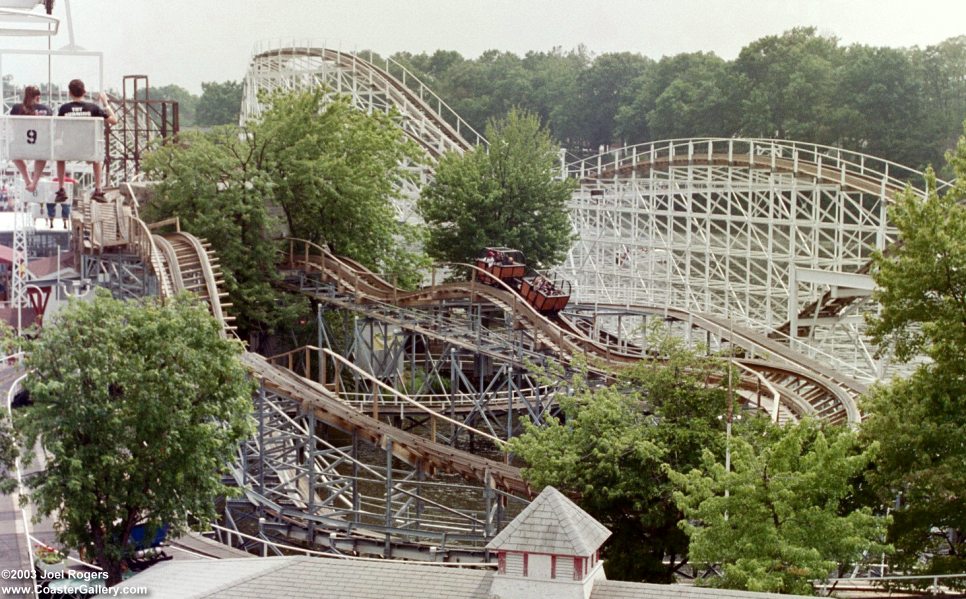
(338, 579)
(196, 578)
(551, 524)
(301, 577)
(612, 589)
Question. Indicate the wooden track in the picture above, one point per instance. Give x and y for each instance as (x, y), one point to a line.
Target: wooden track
(803, 168)
(804, 386)
(187, 264)
(410, 448)
(191, 267)
(404, 98)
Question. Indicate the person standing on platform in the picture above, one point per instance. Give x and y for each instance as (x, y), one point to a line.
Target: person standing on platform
(64, 208)
(31, 106)
(78, 107)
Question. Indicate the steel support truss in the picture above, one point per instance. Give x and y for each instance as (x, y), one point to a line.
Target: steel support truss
(125, 275)
(458, 359)
(317, 486)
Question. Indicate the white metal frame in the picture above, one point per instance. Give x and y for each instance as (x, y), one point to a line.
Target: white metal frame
(384, 88)
(51, 27)
(718, 226)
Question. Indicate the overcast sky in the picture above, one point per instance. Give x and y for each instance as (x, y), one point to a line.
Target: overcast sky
(187, 42)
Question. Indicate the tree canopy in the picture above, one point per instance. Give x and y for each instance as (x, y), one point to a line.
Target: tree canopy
(785, 84)
(219, 104)
(920, 421)
(505, 195)
(187, 102)
(328, 169)
(219, 186)
(335, 171)
(775, 521)
(140, 407)
(800, 85)
(609, 453)
(903, 104)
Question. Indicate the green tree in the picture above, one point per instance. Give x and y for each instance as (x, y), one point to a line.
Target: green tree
(692, 83)
(489, 87)
(786, 84)
(880, 82)
(775, 521)
(939, 75)
(335, 170)
(187, 102)
(329, 168)
(219, 186)
(502, 196)
(609, 451)
(553, 87)
(9, 452)
(10, 344)
(920, 422)
(797, 85)
(433, 70)
(601, 90)
(486, 88)
(220, 103)
(140, 407)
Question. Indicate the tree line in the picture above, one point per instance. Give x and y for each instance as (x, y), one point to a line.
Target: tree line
(903, 104)
(218, 104)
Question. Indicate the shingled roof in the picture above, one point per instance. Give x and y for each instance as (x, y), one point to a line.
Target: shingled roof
(551, 524)
(613, 589)
(300, 577)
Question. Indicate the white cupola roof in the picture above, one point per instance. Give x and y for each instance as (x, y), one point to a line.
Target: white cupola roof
(551, 524)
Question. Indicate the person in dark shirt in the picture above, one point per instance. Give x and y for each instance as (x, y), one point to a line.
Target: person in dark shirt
(31, 106)
(78, 107)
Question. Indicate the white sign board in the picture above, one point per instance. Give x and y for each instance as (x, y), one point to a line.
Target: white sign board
(52, 138)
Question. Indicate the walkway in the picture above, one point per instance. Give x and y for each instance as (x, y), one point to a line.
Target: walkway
(13, 541)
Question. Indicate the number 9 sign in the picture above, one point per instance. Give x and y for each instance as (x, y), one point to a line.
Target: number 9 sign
(28, 138)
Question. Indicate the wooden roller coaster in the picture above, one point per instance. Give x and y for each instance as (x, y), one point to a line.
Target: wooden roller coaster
(182, 262)
(800, 384)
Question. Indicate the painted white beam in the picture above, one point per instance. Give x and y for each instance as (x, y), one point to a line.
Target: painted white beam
(842, 280)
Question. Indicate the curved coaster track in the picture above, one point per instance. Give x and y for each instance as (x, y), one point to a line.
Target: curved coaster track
(309, 489)
(796, 385)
